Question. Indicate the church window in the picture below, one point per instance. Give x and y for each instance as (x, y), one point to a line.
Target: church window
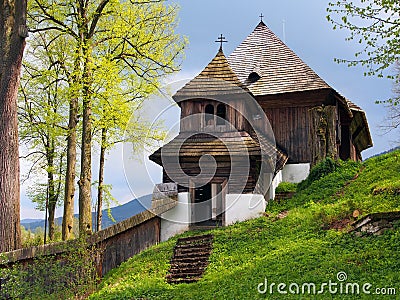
(221, 114)
(209, 114)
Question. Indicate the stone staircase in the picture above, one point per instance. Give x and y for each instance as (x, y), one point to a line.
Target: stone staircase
(190, 259)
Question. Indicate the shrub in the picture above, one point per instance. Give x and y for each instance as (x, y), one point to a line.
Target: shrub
(320, 170)
(286, 187)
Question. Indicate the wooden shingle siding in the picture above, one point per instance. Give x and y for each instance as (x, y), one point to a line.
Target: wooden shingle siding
(286, 81)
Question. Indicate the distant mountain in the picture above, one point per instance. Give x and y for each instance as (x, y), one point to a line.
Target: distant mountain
(119, 213)
(384, 152)
(31, 220)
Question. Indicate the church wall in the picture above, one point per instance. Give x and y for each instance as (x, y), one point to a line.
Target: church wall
(323, 133)
(304, 124)
(295, 172)
(291, 127)
(176, 220)
(241, 207)
(274, 183)
(290, 173)
(238, 208)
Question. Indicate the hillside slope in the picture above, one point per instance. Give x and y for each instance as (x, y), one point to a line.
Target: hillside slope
(300, 249)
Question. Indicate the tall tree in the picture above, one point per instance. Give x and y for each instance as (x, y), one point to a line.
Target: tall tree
(134, 39)
(70, 174)
(42, 115)
(119, 121)
(13, 32)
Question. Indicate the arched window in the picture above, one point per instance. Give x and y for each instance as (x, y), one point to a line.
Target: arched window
(209, 114)
(221, 114)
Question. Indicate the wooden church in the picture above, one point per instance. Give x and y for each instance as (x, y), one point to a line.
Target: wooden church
(248, 122)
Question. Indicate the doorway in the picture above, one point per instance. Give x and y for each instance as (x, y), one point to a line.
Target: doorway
(208, 204)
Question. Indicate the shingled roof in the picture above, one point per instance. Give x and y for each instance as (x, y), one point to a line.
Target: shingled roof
(228, 144)
(216, 79)
(359, 127)
(278, 68)
(266, 66)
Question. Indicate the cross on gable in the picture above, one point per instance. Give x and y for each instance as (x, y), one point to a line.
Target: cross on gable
(261, 17)
(221, 39)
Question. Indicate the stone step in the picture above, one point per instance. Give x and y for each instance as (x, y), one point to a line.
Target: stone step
(187, 269)
(199, 252)
(192, 254)
(183, 276)
(191, 239)
(197, 245)
(182, 273)
(198, 264)
(193, 249)
(183, 280)
(190, 259)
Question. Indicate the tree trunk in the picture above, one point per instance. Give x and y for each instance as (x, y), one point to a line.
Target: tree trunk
(52, 196)
(322, 143)
(101, 179)
(52, 211)
(12, 44)
(85, 180)
(68, 215)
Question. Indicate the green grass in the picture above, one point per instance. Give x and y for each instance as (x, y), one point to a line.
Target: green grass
(296, 249)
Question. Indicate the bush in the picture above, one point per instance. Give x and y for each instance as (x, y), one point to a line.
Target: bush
(286, 187)
(69, 275)
(320, 170)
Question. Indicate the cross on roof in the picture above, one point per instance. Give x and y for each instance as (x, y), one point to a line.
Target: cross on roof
(261, 16)
(221, 39)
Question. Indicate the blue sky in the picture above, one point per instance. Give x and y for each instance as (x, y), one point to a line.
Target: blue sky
(307, 33)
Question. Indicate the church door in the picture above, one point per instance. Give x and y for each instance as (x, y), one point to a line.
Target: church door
(208, 204)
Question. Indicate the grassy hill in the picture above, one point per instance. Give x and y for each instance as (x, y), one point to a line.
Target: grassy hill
(303, 247)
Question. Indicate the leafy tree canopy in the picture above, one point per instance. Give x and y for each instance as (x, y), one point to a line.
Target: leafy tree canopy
(376, 25)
